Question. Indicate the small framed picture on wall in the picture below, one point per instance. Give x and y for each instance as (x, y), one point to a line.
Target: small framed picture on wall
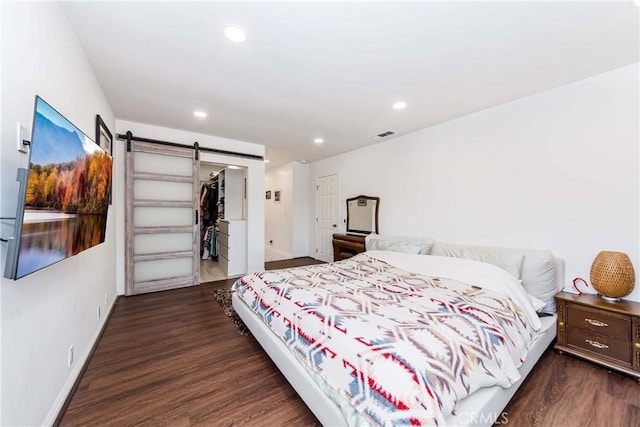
(268, 197)
(104, 139)
(276, 196)
(103, 136)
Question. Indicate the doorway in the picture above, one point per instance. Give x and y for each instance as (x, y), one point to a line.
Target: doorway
(223, 225)
(326, 216)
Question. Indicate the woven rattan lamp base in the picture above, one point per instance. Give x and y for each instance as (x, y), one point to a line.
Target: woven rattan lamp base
(612, 275)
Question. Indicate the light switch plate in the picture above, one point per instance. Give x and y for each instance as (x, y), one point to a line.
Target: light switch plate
(22, 135)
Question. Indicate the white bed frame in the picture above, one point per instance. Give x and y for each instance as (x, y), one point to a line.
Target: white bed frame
(481, 408)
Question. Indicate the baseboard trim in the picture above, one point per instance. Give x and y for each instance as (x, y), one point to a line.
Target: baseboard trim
(71, 385)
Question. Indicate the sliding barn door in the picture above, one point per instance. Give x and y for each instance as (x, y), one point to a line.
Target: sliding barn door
(161, 223)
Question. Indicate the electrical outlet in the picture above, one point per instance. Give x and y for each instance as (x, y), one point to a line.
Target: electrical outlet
(98, 312)
(22, 135)
(70, 357)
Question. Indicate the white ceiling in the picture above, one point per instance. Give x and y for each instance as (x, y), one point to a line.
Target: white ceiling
(333, 69)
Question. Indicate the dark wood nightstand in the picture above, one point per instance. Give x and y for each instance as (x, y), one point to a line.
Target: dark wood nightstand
(347, 245)
(602, 332)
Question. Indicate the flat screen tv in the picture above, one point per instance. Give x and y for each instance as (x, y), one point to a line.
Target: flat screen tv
(63, 198)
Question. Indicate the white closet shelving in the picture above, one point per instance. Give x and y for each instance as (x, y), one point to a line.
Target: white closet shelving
(232, 250)
(230, 194)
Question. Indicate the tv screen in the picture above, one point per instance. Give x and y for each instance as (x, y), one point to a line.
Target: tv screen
(64, 197)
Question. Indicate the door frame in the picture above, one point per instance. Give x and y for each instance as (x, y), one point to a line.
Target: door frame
(254, 214)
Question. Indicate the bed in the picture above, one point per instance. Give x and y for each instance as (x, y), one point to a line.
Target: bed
(389, 337)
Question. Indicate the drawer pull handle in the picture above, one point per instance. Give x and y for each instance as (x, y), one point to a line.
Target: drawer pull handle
(597, 344)
(596, 323)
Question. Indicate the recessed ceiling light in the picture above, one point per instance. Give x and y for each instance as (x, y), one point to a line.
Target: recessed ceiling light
(233, 167)
(235, 33)
(200, 114)
(318, 140)
(399, 105)
(266, 161)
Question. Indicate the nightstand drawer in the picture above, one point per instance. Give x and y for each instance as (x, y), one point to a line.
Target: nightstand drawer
(601, 345)
(599, 322)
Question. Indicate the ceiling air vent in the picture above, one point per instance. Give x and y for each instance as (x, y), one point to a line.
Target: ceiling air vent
(384, 134)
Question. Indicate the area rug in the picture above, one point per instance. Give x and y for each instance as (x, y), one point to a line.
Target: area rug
(223, 296)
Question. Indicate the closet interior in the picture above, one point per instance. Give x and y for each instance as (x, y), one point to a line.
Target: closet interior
(223, 237)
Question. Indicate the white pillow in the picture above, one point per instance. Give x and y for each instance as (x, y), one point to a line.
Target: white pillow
(511, 263)
(407, 247)
(536, 303)
(539, 278)
(398, 244)
(538, 273)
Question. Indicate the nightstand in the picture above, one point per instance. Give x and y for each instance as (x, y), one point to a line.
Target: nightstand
(602, 332)
(347, 245)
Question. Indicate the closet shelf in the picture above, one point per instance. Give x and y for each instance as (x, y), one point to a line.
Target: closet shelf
(162, 177)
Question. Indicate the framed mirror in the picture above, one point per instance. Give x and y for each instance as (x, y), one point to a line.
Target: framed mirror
(362, 215)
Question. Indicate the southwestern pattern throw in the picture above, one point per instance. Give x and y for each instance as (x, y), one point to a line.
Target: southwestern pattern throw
(401, 348)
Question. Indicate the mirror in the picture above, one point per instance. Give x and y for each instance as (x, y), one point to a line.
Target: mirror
(362, 215)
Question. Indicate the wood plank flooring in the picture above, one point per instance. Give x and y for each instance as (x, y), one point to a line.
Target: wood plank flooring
(210, 271)
(173, 358)
(567, 391)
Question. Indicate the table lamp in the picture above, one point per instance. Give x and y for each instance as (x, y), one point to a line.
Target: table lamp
(612, 275)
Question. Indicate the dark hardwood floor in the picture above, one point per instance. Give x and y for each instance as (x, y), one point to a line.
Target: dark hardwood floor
(567, 391)
(174, 358)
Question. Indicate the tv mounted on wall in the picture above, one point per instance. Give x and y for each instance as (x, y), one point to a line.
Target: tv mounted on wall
(64, 195)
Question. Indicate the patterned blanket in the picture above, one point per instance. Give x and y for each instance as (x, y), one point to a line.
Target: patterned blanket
(401, 348)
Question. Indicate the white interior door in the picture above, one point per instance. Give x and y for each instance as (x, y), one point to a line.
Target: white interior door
(326, 216)
(161, 218)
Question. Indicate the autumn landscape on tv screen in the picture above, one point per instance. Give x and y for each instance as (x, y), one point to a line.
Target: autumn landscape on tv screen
(67, 195)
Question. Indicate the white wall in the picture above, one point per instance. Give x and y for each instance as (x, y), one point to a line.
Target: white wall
(255, 183)
(287, 221)
(556, 170)
(48, 311)
(300, 214)
(278, 221)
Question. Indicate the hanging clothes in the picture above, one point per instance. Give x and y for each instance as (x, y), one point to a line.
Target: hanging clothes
(210, 246)
(212, 202)
(213, 243)
(204, 192)
(208, 218)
